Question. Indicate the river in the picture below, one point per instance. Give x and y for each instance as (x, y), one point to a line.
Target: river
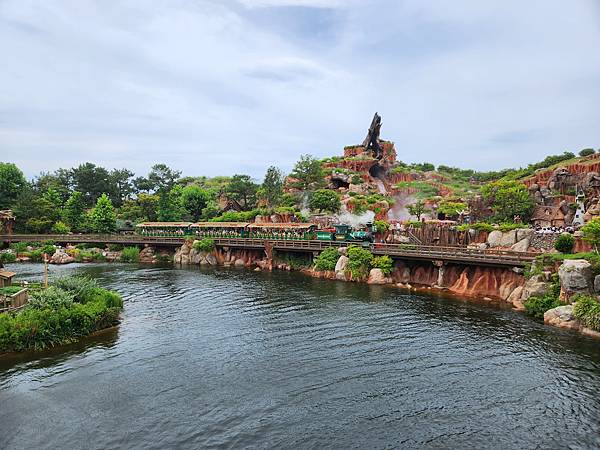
(227, 358)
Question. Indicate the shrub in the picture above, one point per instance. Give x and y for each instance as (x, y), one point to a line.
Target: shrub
(360, 260)
(381, 226)
(60, 228)
(204, 245)
(19, 247)
(536, 306)
(7, 257)
(130, 254)
(565, 243)
(35, 255)
(327, 259)
(478, 226)
(587, 311)
(385, 263)
(82, 288)
(587, 152)
(53, 318)
(53, 298)
(115, 247)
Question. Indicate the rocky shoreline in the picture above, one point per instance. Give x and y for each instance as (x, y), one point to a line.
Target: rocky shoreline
(509, 286)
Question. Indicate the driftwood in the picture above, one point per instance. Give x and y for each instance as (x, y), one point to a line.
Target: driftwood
(371, 142)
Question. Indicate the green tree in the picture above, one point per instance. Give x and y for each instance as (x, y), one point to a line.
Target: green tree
(74, 212)
(242, 189)
(102, 216)
(121, 186)
(324, 200)
(272, 186)
(194, 200)
(92, 181)
(565, 243)
(162, 178)
(508, 199)
(451, 209)
(587, 152)
(591, 232)
(170, 205)
(34, 213)
(12, 183)
(417, 209)
(308, 172)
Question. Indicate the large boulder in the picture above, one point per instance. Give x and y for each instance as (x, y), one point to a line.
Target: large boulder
(376, 276)
(562, 317)
(61, 257)
(340, 267)
(495, 238)
(515, 297)
(597, 283)
(521, 246)
(575, 278)
(182, 254)
(211, 259)
(508, 239)
(536, 285)
(524, 233)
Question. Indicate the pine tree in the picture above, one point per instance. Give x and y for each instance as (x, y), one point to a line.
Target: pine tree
(103, 217)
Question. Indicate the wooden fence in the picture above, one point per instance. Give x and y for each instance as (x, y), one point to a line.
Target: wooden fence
(14, 302)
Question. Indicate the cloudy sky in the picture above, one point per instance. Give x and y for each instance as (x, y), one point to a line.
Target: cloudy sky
(225, 86)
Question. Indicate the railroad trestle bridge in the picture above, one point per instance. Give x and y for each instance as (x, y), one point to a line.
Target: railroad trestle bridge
(416, 252)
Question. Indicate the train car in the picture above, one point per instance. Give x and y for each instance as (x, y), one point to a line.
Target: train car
(282, 231)
(220, 229)
(326, 234)
(167, 229)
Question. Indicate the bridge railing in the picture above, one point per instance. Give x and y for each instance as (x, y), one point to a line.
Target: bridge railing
(415, 250)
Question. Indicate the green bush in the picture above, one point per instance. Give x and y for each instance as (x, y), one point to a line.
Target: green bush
(34, 255)
(19, 247)
(359, 263)
(565, 243)
(536, 306)
(53, 298)
(7, 257)
(115, 247)
(204, 245)
(83, 288)
(60, 228)
(385, 263)
(130, 254)
(9, 290)
(327, 259)
(587, 311)
(53, 318)
(381, 226)
(587, 152)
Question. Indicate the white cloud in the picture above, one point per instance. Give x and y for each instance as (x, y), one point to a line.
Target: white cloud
(208, 88)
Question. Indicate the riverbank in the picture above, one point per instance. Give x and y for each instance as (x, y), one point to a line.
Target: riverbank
(71, 308)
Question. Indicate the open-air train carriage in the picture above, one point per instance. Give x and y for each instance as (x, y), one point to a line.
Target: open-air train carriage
(169, 229)
(220, 229)
(284, 231)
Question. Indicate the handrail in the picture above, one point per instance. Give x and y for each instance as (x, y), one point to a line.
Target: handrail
(414, 250)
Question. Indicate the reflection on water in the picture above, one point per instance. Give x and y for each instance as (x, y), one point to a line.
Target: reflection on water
(231, 358)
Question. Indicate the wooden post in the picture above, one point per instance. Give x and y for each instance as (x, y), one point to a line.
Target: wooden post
(45, 270)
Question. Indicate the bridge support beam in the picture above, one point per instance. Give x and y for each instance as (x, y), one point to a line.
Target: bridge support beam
(269, 254)
(440, 279)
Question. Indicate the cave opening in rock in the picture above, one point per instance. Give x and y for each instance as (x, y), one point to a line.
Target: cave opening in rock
(337, 183)
(377, 171)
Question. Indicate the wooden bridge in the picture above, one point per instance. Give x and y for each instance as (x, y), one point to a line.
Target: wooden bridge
(454, 254)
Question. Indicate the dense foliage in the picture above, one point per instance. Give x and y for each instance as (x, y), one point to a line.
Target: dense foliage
(587, 311)
(508, 199)
(130, 254)
(591, 232)
(68, 310)
(324, 200)
(327, 259)
(360, 261)
(565, 243)
(385, 263)
(204, 245)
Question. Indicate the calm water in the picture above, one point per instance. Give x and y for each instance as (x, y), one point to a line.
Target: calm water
(234, 359)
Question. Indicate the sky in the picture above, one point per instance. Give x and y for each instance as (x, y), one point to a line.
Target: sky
(223, 87)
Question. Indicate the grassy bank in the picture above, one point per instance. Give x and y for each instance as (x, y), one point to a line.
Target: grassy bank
(68, 310)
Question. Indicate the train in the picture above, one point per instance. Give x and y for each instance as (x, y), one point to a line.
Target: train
(272, 231)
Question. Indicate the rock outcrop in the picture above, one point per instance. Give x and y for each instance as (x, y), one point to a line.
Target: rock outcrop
(575, 278)
(61, 257)
(376, 276)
